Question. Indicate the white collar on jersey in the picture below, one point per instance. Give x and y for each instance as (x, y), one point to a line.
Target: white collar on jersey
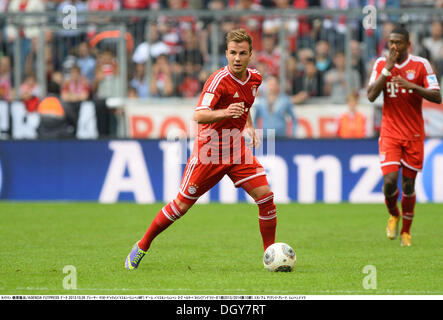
(237, 79)
(399, 66)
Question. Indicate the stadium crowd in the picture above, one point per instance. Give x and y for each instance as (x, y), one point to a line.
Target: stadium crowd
(83, 62)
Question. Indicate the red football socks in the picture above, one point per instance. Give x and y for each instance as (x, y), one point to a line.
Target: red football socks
(164, 218)
(407, 206)
(267, 218)
(391, 204)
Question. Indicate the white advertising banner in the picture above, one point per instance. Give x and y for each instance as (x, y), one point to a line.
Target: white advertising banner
(157, 120)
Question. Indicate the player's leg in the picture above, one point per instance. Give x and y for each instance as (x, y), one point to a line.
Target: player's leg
(171, 212)
(391, 193)
(174, 210)
(197, 179)
(252, 178)
(390, 156)
(407, 206)
(412, 162)
(267, 211)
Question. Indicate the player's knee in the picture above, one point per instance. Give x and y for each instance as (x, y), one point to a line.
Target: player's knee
(183, 206)
(259, 192)
(390, 183)
(408, 186)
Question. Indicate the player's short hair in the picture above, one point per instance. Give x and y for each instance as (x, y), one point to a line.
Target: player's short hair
(398, 29)
(239, 35)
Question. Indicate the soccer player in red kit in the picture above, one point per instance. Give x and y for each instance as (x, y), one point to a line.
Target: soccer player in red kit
(219, 149)
(405, 80)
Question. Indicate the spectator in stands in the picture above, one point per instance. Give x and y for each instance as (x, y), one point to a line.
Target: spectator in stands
(70, 36)
(322, 56)
(4, 6)
(140, 4)
(270, 53)
(55, 120)
(334, 27)
(304, 27)
(189, 66)
(189, 85)
(145, 50)
(382, 46)
(252, 24)
(104, 5)
(191, 49)
(337, 86)
(5, 78)
(100, 5)
(28, 26)
(273, 109)
(106, 83)
(308, 84)
(375, 39)
(294, 70)
(136, 25)
(434, 43)
(132, 93)
(206, 36)
(271, 24)
(51, 61)
(352, 123)
(304, 54)
(262, 67)
(172, 28)
(76, 88)
(139, 81)
(30, 92)
(161, 78)
(357, 61)
(86, 61)
(3, 9)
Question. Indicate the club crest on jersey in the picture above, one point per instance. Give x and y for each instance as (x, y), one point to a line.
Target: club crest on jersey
(382, 156)
(192, 189)
(410, 74)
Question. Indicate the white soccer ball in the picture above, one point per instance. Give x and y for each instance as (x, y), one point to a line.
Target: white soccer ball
(279, 257)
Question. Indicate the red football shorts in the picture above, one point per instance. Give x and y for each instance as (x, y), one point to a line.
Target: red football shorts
(200, 177)
(396, 153)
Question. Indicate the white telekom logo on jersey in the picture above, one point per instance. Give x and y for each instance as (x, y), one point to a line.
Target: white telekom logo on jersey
(392, 88)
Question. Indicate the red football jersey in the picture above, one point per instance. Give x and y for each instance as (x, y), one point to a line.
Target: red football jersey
(220, 90)
(402, 109)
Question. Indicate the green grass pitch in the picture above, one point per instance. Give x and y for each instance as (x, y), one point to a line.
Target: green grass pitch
(216, 250)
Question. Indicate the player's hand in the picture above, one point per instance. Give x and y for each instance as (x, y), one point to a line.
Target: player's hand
(401, 82)
(235, 110)
(255, 140)
(391, 60)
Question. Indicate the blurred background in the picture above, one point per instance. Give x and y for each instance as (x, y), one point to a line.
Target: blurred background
(133, 70)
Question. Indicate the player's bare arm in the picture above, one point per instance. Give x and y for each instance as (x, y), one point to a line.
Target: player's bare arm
(432, 95)
(376, 88)
(234, 110)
